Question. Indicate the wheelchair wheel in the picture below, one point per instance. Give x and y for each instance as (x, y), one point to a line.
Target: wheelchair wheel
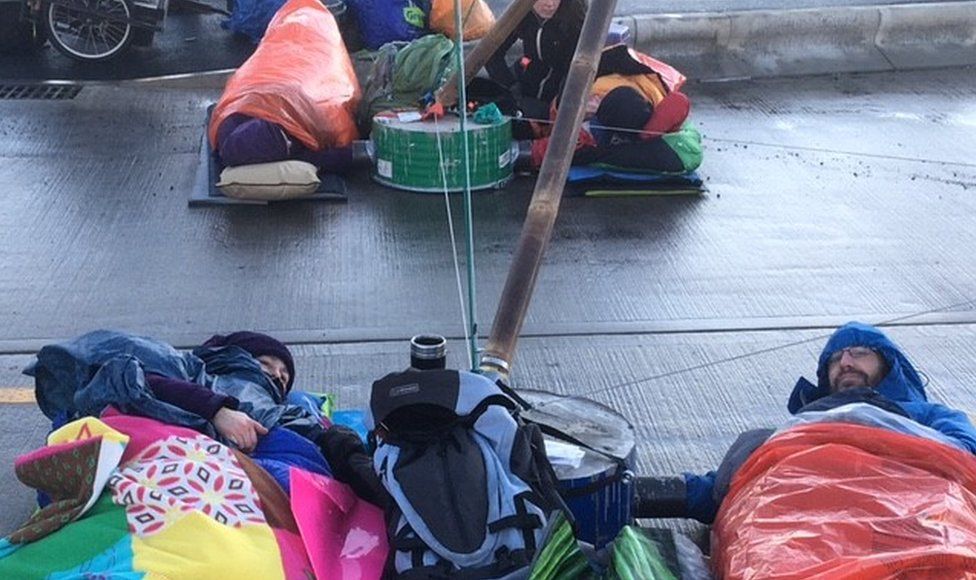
(89, 30)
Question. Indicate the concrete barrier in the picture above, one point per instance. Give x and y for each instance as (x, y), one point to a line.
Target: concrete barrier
(916, 35)
(714, 46)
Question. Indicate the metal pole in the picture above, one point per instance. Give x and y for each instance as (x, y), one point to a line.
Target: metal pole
(537, 230)
(479, 56)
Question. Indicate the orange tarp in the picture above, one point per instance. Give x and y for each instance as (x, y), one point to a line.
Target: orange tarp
(300, 77)
(836, 500)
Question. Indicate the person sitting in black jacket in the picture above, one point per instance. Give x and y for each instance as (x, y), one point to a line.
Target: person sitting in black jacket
(549, 34)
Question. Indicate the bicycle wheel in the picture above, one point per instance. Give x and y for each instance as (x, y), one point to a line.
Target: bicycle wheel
(89, 30)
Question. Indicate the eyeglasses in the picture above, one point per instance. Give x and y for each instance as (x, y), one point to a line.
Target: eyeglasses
(855, 352)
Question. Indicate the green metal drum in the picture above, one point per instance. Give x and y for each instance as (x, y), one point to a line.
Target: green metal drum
(407, 154)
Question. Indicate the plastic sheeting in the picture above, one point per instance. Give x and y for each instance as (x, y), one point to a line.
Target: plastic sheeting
(300, 77)
(840, 500)
(560, 557)
(870, 416)
(635, 554)
(344, 535)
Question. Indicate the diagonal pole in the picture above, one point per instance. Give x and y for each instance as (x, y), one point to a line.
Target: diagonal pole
(537, 229)
(479, 56)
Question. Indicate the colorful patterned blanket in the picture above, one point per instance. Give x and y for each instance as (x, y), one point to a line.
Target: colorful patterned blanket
(135, 498)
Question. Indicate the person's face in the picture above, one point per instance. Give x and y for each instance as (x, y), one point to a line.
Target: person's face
(856, 366)
(276, 370)
(545, 8)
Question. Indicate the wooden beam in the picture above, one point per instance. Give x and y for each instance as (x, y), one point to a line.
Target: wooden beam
(483, 51)
(537, 229)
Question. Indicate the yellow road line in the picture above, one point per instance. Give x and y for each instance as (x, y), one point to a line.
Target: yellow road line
(15, 396)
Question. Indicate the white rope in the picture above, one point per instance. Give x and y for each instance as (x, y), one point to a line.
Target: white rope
(450, 227)
(606, 127)
(713, 363)
(472, 336)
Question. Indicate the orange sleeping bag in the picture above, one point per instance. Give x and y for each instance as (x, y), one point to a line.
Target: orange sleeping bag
(300, 77)
(476, 18)
(831, 500)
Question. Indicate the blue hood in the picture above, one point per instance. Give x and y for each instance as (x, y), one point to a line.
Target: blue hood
(902, 383)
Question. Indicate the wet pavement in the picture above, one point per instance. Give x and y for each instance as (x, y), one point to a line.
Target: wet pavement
(830, 199)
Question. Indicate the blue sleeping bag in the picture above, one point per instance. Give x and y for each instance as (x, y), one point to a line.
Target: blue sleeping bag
(382, 21)
(281, 449)
(251, 17)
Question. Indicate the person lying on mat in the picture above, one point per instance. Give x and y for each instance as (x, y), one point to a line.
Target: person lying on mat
(224, 410)
(628, 131)
(859, 364)
(293, 99)
(635, 119)
(233, 387)
(246, 140)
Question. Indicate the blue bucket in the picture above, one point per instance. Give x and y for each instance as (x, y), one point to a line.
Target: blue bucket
(597, 485)
(600, 495)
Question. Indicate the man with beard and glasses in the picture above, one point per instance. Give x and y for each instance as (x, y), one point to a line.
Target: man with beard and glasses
(859, 364)
(860, 361)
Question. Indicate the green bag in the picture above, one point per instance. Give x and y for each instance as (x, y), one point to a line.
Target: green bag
(402, 75)
(635, 554)
(643, 554)
(561, 557)
(687, 144)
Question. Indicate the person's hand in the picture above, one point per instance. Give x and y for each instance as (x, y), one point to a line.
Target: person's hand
(238, 428)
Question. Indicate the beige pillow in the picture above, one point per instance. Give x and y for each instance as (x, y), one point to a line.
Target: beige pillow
(269, 181)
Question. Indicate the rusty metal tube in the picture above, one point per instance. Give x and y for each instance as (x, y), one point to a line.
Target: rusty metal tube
(482, 52)
(537, 229)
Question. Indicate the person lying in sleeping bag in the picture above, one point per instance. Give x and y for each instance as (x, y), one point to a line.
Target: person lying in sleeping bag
(235, 388)
(635, 119)
(867, 480)
(294, 98)
(859, 363)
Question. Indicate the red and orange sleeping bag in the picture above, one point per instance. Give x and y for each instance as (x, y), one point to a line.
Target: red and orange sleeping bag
(829, 500)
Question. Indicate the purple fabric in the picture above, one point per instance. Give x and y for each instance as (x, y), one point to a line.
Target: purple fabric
(257, 344)
(189, 396)
(337, 160)
(244, 140)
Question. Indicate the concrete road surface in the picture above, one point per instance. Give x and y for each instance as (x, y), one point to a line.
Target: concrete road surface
(829, 199)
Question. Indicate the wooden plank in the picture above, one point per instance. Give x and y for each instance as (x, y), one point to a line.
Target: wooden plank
(447, 95)
(537, 229)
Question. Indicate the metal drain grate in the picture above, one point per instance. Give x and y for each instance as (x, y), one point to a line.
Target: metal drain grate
(42, 92)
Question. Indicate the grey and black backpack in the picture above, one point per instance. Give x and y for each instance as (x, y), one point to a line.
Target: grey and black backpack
(472, 488)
